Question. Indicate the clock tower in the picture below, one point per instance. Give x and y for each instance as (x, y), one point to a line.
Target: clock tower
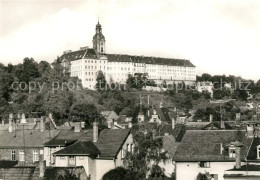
(99, 40)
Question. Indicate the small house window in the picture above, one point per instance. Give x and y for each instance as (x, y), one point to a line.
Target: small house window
(21, 155)
(122, 153)
(258, 152)
(128, 147)
(35, 156)
(204, 164)
(13, 156)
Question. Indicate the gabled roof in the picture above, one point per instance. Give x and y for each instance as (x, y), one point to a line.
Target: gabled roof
(252, 154)
(110, 142)
(33, 138)
(80, 54)
(79, 148)
(66, 137)
(149, 60)
(205, 145)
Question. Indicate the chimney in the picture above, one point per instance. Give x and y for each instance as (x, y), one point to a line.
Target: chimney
(250, 130)
(109, 124)
(82, 124)
(10, 128)
(3, 123)
(95, 131)
(35, 121)
(41, 164)
(222, 124)
(77, 127)
(130, 125)
(42, 125)
(173, 123)
(23, 120)
(211, 118)
(221, 148)
(238, 146)
(238, 119)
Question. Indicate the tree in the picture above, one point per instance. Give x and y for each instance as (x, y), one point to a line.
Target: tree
(120, 173)
(83, 112)
(146, 155)
(101, 81)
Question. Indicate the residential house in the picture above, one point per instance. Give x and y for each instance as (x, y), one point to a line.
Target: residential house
(110, 117)
(98, 152)
(24, 142)
(212, 152)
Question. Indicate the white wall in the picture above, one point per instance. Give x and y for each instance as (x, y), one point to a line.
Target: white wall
(103, 166)
(190, 170)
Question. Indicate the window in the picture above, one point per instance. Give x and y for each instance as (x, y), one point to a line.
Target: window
(13, 156)
(122, 153)
(232, 152)
(21, 155)
(204, 164)
(128, 147)
(35, 156)
(258, 152)
(132, 148)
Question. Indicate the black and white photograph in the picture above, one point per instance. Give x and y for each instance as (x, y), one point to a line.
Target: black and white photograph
(129, 90)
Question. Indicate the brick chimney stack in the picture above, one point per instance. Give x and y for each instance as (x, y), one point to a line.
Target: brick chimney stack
(77, 127)
(173, 123)
(42, 125)
(238, 146)
(95, 131)
(211, 118)
(3, 123)
(10, 128)
(238, 119)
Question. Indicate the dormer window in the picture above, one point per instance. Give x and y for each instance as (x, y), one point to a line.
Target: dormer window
(258, 152)
(232, 152)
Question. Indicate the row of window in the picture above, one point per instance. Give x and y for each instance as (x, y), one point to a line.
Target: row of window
(129, 148)
(21, 157)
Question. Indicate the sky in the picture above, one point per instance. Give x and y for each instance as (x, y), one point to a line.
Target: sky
(217, 36)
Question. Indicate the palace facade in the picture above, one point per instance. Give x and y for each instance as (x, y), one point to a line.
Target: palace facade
(86, 62)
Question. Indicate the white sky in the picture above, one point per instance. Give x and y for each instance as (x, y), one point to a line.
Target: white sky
(218, 36)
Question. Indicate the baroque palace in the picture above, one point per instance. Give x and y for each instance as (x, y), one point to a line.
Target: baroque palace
(86, 62)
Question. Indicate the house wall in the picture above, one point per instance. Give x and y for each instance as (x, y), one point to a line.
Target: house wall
(92, 168)
(102, 167)
(5, 154)
(190, 170)
(168, 166)
(48, 157)
(119, 159)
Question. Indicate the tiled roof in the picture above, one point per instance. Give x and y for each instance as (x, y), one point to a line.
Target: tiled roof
(252, 154)
(66, 137)
(110, 141)
(33, 138)
(80, 54)
(79, 148)
(164, 114)
(205, 145)
(170, 145)
(90, 53)
(149, 60)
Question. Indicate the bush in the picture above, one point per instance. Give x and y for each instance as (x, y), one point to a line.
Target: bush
(120, 173)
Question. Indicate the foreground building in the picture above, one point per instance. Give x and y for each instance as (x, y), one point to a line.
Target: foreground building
(96, 152)
(86, 62)
(219, 154)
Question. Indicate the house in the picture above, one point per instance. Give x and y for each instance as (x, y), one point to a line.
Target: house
(205, 86)
(96, 152)
(158, 115)
(25, 144)
(110, 116)
(213, 153)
